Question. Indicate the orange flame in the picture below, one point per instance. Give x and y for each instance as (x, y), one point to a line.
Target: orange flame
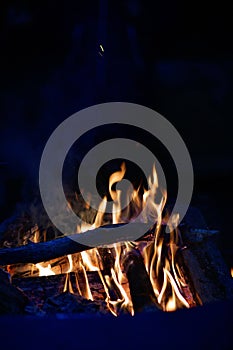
(116, 177)
(160, 256)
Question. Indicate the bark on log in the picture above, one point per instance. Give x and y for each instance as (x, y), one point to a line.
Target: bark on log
(141, 290)
(58, 266)
(45, 251)
(38, 289)
(38, 252)
(205, 266)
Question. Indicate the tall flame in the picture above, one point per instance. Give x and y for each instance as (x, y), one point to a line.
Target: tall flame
(160, 256)
(116, 177)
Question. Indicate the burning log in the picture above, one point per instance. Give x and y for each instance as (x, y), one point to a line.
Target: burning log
(39, 289)
(45, 251)
(37, 252)
(141, 290)
(109, 280)
(56, 266)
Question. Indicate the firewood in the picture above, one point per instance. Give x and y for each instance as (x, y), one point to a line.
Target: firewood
(107, 261)
(37, 252)
(45, 251)
(12, 300)
(38, 289)
(205, 266)
(141, 290)
(57, 266)
(68, 303)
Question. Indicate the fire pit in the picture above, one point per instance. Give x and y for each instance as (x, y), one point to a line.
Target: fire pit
(45, 273)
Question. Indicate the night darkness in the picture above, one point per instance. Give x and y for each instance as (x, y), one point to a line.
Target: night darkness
(172, 57)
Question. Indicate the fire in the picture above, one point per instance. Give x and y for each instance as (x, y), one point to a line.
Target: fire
(45, 271)
(232, 272)
(159, 256)
(115, 282)
(165, 277)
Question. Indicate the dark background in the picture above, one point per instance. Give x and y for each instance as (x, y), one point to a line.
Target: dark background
(172, 57)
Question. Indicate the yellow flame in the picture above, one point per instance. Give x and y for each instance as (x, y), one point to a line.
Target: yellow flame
(87, 294)
(171, 273)
(45, 271)
(116, 177)
(68, 285)
(124, 301)
(171, 303)
(70, 263)
(100, 214)
(90, 260)
(116, 209)
(160, 257)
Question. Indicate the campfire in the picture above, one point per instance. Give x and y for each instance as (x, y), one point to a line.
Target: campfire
(44, 272)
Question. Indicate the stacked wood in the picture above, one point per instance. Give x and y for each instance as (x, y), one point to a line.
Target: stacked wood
(208, 278)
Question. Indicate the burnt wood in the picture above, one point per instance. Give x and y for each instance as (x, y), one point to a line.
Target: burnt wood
(38, 252)
(12, 300)
(205, 267)
(39, 289)
(45, 251)
(141, 290)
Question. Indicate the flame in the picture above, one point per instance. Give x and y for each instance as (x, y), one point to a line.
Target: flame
(70, 262)
(68, 285)
(116, 177)
(160, 255)
(100, 214)
(90, 260)
(116, 282)
(232, 272)
(45, 271)
(169, 291)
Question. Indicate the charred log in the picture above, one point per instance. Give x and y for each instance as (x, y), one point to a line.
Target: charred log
(39, 289)
(141, 290)
(12, 300)
(45, 251)
(37, 252)
(107, 262)
(205, 266)
(68, 303)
